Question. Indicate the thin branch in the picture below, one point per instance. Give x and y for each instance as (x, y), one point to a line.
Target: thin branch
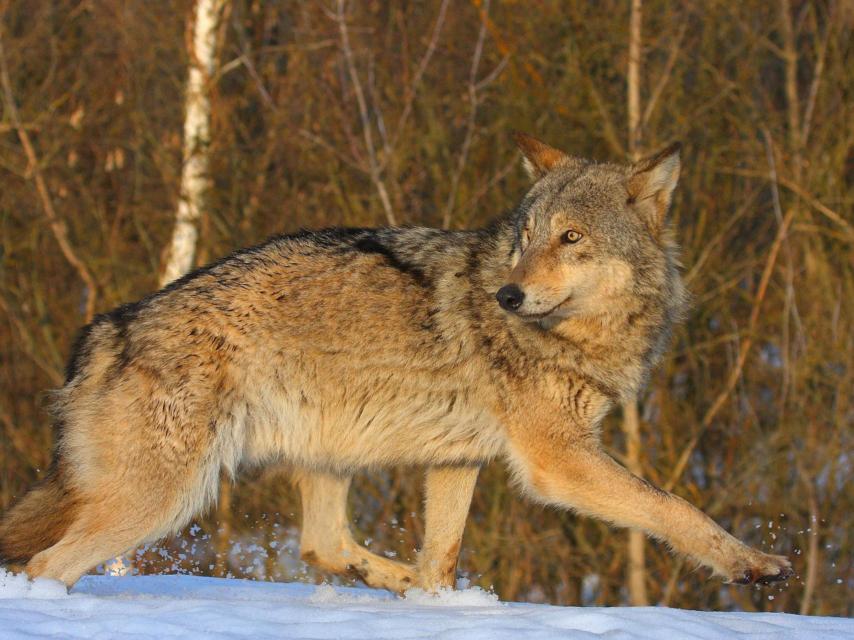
(793, 109)
(805, 195)
(320, 142)
(245, 60)
(378, 112)
(790, 306)
(474, 103)
(761, 38)
(670, 587)
(743, 349)
(250, 67)
(818, 72)
(811, 577)
(12, 430)
(496, 177)
(373, 165)
(610, 131)
(28, 344)
(493, 75)
(710, 246)
(57, 225)
(412, 89)
(665, 76)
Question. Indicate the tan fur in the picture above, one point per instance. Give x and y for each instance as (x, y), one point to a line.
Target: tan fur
(38, 520)
(342, 350)
(326, 540)
(448, 496)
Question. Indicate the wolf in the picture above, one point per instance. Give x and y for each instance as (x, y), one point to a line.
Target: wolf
(341, 350)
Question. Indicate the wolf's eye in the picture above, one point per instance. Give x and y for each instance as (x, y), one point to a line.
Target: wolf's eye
(571, 237)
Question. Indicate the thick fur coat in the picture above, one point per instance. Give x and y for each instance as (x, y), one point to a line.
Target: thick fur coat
(344, 349)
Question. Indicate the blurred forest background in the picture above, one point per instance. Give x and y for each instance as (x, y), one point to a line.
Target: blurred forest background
(399, 112)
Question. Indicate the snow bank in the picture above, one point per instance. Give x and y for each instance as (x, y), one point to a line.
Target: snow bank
(144, 607)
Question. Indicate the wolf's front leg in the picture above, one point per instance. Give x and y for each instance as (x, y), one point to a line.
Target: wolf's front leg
(449, 491)
(586, 479)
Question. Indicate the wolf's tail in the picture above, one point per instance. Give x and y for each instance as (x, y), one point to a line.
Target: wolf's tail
(38, 520)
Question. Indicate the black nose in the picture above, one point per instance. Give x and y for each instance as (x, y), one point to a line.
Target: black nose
(510, 297)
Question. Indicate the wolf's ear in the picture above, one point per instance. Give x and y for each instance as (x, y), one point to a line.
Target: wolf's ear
(651, 183)
(539, 158)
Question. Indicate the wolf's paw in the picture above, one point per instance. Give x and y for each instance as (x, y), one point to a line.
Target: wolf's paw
(763, 569)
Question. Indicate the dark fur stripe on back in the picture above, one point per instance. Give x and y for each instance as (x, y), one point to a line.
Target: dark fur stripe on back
(357, 239)
(371, 244)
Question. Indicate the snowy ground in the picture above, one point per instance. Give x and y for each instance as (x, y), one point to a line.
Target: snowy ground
(143, 607)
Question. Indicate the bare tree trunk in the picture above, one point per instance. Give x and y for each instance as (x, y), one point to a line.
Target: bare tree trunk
(195, 183)
(636, 556)
(633, 78)
(223, 534)
(194, 173)
(796, 139)
(811, 577)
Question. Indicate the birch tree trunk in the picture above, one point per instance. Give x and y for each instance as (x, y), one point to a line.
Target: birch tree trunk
(195, 180)
(195, 184)
(636, 549)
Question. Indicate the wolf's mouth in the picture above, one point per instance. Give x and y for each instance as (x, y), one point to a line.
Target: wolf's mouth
(533, 317)
(536, 316)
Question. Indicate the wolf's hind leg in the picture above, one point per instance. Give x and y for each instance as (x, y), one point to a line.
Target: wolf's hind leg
(115, 516)
(93, 538)
(449, 491)
(326, 540)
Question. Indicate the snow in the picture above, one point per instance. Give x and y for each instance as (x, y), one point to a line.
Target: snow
(181, 606)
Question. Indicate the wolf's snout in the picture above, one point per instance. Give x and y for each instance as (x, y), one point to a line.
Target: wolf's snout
(510, 297)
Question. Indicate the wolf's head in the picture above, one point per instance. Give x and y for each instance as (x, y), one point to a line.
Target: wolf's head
(593, 239)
